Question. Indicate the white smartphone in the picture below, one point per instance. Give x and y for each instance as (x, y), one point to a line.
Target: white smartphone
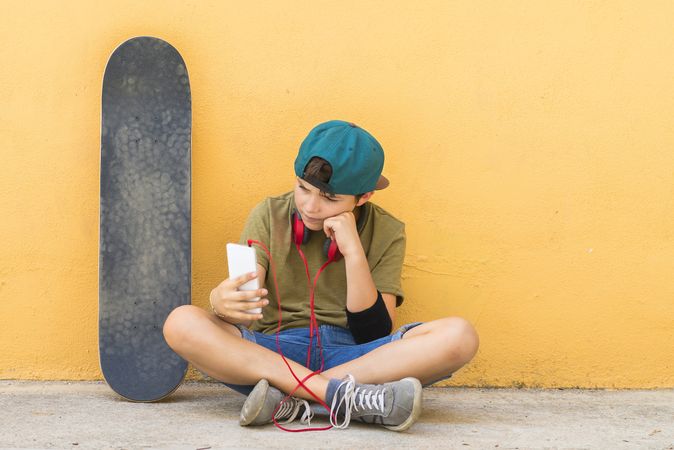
(240, 261)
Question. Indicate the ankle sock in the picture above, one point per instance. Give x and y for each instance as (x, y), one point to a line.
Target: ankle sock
(331, 391)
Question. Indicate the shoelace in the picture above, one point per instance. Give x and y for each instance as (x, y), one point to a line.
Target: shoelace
(355, 398)
(291, 407)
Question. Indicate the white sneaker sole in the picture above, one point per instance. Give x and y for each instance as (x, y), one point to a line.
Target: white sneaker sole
(254, 403)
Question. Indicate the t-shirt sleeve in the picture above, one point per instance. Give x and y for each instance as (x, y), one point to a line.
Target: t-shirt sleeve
(257, 227)
(388, 271)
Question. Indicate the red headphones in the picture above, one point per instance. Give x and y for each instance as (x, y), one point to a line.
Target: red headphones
(301, 235)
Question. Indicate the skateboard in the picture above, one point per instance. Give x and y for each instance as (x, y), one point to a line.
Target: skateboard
(145, 216)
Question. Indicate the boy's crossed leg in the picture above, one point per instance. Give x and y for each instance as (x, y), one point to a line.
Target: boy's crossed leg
(429, 352)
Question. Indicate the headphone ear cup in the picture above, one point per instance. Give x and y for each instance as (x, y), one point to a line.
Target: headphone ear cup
(331, 250)
(301, 234)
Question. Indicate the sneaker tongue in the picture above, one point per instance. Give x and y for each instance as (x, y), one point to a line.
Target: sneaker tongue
(376, 391)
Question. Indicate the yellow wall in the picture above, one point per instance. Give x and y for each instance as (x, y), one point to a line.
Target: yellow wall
(529, 146)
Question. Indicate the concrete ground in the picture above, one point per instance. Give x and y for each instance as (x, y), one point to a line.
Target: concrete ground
(201, 415)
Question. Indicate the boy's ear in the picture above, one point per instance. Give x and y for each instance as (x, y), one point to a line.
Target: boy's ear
(365, 197)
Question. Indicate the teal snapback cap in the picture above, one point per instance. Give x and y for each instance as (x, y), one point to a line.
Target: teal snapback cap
(355, 156)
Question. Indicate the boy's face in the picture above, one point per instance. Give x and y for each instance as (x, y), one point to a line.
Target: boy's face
(315, 207)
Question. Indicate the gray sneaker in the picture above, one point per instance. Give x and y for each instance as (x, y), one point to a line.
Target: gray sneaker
(263, 400)
(394, 405)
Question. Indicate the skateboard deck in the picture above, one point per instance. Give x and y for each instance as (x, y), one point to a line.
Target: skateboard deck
(145, 217)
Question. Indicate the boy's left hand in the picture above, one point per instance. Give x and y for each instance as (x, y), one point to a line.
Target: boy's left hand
(342, 228)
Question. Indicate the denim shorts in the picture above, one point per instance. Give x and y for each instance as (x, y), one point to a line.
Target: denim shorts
(338, 344)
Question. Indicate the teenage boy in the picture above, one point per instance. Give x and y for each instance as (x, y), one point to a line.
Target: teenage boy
(368, 373)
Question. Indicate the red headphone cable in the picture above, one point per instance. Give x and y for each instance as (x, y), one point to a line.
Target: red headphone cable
(313, 325)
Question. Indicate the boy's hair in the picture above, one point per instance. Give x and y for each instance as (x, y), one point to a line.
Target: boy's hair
(320, 170)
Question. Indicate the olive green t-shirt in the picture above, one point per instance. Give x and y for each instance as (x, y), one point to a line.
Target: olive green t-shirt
(382, 237)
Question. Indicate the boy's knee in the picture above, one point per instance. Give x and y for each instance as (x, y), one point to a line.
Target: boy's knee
(178, 324)
(460, 338)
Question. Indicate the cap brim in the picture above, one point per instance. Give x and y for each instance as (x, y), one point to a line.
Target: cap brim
(382, 183)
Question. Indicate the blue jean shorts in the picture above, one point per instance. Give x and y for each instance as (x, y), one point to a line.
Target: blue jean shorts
(338, 344)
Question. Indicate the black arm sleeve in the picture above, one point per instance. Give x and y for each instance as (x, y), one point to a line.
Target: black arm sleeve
(370, 324)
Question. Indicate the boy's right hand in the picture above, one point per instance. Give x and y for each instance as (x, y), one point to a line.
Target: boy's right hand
(233, 304)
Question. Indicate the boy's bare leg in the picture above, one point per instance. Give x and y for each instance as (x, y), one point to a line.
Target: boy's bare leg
(217, 349)
(429, 352)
